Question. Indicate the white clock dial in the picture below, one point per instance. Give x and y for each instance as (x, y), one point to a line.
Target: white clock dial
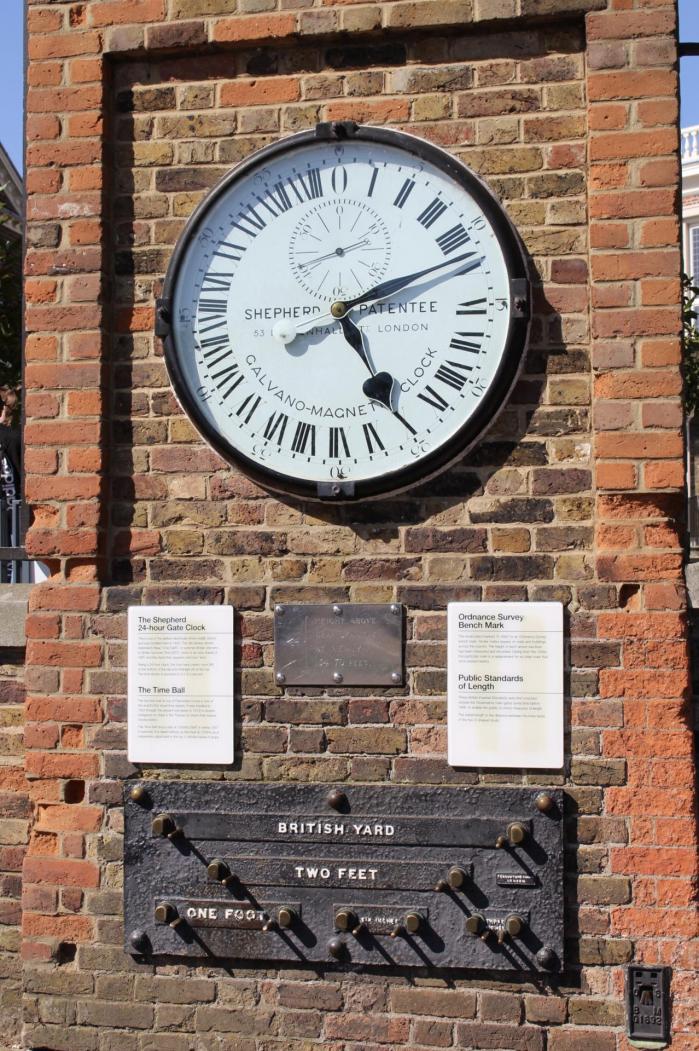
(341, 316)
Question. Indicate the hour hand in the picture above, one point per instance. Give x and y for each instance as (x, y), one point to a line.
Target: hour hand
(380, 385)
(353, 336)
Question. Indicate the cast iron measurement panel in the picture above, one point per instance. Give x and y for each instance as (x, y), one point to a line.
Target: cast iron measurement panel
(356, 874)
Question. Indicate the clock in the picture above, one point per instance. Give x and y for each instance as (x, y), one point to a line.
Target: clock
(345, 313)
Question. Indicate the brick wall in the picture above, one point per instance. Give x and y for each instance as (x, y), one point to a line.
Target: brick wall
(568, 108)
(15, 815)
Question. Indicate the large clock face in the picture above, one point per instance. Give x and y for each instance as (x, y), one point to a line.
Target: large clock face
(345, 316)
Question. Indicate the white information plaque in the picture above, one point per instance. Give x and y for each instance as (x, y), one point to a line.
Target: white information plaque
(180, 684)
(505, 684)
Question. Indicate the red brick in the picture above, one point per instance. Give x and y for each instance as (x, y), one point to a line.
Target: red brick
(70, 818)
(254, 27)
(653, 862)
(639, 445)
(124, 12)
(262, 92)
(43, 20)
(666, 474)
(65, 654)
(62, 45)
(616, 476)
(62, 872)
(638, 384)
(67, 928)
(618, 26)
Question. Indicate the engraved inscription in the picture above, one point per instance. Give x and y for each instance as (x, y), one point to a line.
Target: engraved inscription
(515, 879)
(360, 643)
(329, 828)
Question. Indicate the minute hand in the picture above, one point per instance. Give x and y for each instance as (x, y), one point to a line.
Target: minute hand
(388, 288)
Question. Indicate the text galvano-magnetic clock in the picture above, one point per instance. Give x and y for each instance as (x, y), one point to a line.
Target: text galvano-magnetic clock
(345, 313)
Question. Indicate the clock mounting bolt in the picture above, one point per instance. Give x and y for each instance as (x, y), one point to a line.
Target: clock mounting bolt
(281, 678)
(395, 677)
(337, 677)
(337, 610)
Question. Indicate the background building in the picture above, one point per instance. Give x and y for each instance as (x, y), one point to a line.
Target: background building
(690, 199)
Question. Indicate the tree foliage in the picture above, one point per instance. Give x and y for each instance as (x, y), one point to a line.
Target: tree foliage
(690, 334)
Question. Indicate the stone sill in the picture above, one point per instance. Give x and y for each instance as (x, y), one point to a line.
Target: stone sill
(14, 599)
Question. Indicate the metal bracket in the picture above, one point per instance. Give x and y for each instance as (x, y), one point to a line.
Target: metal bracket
(163, 318)
(336, 129)
(519, 296)
(335, 490)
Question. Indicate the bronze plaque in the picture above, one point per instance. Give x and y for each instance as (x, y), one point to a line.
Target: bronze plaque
(343, 644)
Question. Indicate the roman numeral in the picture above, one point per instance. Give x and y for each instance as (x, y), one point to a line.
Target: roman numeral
(216, 356)
(225, 375)
(433, 399)
(304, 433)
(431, 213)
(337, 439)
(211, 306)
(276, 425)
(216, 283)
(310, 184)
(338, 179)
(372, 437)
(253, 401)
(278, 199)
(459, 343)
(213, 341)
(372, 184)
(447, 374)
(473, 306)
(251, 219)
(453, 239)
(230, 251)
(404, 192)
(214, 324)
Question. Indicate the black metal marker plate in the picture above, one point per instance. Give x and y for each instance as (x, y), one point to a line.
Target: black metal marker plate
(379, 853)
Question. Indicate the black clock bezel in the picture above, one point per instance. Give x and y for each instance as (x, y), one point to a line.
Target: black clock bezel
(490, 405)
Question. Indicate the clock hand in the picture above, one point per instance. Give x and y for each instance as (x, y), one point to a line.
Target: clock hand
(353, 336)
(380, 386)
(389, 288)
(286, 332)
(329, 255)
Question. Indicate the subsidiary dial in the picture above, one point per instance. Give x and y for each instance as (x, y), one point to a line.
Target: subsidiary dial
(339, 248)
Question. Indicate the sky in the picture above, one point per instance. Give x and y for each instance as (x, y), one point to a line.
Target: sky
(689, 67)
(12, 79)
(12, 73)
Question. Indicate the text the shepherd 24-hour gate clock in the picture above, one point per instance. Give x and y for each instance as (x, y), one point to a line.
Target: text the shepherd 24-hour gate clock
(345, 313)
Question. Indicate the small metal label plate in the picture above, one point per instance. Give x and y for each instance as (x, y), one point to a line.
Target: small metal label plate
(381, 920)
(240, 916)
(515, 879)
(345, 644)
